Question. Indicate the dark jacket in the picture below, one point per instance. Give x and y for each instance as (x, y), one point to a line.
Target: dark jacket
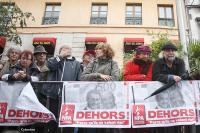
(161, 71)
(31, 73)
(64, 69)
(101, 66)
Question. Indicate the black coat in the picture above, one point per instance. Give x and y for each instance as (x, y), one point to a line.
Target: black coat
(71, 72)
(161, 70)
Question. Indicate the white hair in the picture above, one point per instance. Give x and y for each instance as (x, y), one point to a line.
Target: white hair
(65, 46)
(13, 47)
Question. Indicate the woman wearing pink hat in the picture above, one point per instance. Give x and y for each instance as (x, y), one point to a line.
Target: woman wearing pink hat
(140, 68)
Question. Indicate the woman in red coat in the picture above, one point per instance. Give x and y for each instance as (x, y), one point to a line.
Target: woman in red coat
(140, 68)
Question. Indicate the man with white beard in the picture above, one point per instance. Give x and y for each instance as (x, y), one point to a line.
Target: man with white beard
(169, 67)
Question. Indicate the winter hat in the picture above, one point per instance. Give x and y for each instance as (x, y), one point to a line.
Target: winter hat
(39, 49)
(143, 48)
(169, 45)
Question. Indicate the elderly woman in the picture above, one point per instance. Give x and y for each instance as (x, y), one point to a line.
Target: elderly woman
(13, 57)
(24, 70)
(103, 68)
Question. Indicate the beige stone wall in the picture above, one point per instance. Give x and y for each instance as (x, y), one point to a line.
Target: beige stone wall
(75, 19)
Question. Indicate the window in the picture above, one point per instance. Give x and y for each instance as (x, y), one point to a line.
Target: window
(51, 14)
(133, 14)
(99, 14)
(166, 17)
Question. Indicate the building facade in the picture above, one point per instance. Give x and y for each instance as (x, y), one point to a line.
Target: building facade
(123, 24)
(193, 10)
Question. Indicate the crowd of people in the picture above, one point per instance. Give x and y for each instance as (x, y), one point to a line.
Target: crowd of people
(97, 65)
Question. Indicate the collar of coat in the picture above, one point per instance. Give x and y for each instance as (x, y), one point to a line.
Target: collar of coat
(176, 61)
(44, 68)
(102, 61)
(71, 58)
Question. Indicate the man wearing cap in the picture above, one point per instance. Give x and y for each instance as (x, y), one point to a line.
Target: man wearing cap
(169, 67)
(140, 68)
(40, 55)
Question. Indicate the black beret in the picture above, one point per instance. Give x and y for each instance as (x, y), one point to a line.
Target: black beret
(169, 46)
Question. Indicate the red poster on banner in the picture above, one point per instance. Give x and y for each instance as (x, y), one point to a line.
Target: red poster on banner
(139, 115)
(3, 109)
(67, 114)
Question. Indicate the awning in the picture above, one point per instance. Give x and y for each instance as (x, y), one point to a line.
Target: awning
(44, 41)
(2, 41)
(95, 39)
(130, 40)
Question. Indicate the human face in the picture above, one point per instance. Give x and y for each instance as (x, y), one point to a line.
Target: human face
(87, 59)
(99, 52)
(163, 100)
(143, 56)
(94, 101)
(25, 61)
(108, 101)
(66, 52)
(169, 54)
(41, 57)
(14, 55)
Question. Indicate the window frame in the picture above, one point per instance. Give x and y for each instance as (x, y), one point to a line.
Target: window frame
(165, 19)
(51, 15)
(134, 19)
(99, 19)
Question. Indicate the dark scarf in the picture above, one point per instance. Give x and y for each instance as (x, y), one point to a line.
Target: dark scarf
(144, 65)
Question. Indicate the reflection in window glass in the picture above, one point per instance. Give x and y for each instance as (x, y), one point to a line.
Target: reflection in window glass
(166, 16)
(99, 14)
(168, 12)
(161, 12)
(133, 14)
(51, 14)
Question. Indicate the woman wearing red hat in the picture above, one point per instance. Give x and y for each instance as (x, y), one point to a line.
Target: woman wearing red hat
(140, 68)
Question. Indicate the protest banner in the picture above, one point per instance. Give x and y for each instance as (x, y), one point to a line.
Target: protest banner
(174, 106)
(20, 106)
(95, 104)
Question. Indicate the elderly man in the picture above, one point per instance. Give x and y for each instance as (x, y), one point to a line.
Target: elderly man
(64, 66)
(13, 57)
(169, 68)
(40, 55)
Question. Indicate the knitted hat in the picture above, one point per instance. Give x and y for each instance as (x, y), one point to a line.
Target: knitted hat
(143, 48)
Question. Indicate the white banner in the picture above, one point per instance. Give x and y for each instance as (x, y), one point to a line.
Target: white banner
(20, 106)
(196, 85)
(95, 104)
(174, 106)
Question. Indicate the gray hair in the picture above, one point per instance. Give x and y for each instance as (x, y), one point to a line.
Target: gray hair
(11, 48)
(64, 46)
